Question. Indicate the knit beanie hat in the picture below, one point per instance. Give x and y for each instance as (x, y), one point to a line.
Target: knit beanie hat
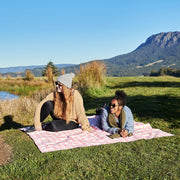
(66, 79)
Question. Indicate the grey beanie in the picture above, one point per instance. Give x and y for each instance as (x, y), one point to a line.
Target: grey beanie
(66, 79)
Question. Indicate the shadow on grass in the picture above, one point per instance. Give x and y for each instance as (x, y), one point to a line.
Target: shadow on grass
(9, 123)
(146, 108)
(147, 84)
(156, 106)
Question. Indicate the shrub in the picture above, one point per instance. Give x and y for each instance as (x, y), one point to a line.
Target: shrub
(49, 74)
(19, 77)
(20, 110)
(166, 71)
(8, 77)
(63, 71)
(90, 76)
(29, 75)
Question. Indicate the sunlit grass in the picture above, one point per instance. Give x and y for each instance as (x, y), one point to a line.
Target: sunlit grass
(23, 87)
(153, 100)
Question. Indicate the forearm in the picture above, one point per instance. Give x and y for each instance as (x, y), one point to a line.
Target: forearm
(111, 130)
(84, 122)
(129, 126)
(80, 112)
(36, 120)
(105, 125)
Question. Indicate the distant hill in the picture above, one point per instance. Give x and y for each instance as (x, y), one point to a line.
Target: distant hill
(20, 70)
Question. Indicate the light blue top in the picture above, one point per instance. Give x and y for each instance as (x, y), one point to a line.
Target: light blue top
(128, 125)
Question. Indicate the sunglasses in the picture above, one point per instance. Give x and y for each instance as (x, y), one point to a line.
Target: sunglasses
(112, 105)
(58, 83)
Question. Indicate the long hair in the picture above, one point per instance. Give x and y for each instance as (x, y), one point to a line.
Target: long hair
(63, 104)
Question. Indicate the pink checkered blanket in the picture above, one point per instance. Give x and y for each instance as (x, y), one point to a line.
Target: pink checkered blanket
(53, 141)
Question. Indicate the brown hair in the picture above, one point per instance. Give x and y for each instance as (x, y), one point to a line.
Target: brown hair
(63, 103)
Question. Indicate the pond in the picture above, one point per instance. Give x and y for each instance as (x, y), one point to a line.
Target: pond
(7, 96)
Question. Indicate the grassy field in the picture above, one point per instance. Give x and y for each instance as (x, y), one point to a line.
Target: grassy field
(154, 100)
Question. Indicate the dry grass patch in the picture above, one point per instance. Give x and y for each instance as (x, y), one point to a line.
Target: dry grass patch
(14, 113)
(5, 152)
(90, 76)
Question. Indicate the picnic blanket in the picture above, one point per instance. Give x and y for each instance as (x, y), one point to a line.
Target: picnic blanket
(48, 141)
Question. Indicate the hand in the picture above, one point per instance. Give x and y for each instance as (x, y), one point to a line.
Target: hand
(38, 128)
(90, 129)
(123, 133)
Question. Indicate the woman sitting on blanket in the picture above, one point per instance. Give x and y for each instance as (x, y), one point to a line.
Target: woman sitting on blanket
(117, 118)
(65, 106)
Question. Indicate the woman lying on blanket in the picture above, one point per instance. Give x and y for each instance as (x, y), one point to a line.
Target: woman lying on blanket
(117, 118)
(65, 106)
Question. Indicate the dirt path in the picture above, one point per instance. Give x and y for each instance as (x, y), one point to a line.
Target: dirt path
(5, 152)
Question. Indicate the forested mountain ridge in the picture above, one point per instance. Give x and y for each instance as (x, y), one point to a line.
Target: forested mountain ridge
(159, 50)
(163, 39)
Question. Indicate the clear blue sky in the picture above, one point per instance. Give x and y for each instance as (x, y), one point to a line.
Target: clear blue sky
(33, 32)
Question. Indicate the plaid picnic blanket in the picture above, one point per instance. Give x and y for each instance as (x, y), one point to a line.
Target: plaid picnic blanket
(53, 141)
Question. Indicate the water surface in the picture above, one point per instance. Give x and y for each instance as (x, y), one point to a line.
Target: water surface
(7, 96)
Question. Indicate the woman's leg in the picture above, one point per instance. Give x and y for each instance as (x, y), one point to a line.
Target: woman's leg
(60, 125)
(46, 110)
(57, 124)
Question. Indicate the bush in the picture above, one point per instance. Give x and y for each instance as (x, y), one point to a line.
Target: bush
(90, 76)
(8, 77)
(166, 71)
(49, 74)
(29, 75)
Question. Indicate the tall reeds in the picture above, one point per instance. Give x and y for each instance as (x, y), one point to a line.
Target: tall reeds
(20, 110)
(90, 76)
(49, 74)
(29, 75)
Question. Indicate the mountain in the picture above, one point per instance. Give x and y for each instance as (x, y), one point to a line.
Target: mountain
(18, 68)
(159, 50)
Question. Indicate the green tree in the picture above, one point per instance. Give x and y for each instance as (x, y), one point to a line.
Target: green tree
(55, 70)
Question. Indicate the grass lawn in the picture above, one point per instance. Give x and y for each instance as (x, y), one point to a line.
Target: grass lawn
(154, 100)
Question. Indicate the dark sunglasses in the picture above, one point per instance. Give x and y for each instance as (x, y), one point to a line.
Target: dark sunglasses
(112, 105)
(58, 83)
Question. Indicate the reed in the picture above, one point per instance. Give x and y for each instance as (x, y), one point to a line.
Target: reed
(63, 71)
(90, 76)
(29, 75)
(23, 87)
(20, 111)
(14, 113)
(49, 74)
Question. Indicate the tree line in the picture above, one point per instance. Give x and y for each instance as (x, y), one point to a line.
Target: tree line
(166, 71)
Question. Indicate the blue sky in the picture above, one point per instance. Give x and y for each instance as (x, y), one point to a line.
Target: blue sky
(33, 32)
